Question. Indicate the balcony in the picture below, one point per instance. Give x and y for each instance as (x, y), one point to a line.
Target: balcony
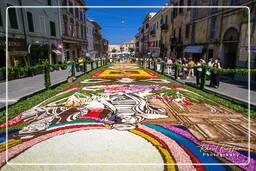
(153, 33)
(164, 27)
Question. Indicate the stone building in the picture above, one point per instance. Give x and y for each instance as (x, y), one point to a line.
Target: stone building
(97, 40)
(89, 37)
(33, 33)
(128, 47)
(104, 48)
(223, 33)
(137, 45)
(146, 31)
(73, 23)
(155, 35)
(180, 36)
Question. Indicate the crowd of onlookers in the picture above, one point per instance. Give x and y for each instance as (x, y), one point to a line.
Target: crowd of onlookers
(184, 73)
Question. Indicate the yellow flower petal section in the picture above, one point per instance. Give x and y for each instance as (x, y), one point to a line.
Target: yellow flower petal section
(165, 153)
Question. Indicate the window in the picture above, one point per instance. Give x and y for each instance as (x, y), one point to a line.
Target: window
(42, 24)
(166, 19)
(234, 2)
(194, 12)
(70, 9)
(30, 22)
(13, 17)
(77, 13)
(1, 21)
(65, 26)
(213, 27)
(193, 33)
(82, 31)
(181, 9)
(77, 30)
(81, 15)
(189, 3)
(64, 3)
(214, 3)
(49, 2)
(52, 28)
(187, 30)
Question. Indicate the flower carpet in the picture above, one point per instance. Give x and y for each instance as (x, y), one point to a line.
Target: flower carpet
(165, 125)
(124, 73)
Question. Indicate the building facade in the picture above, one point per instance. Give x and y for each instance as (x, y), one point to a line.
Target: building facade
(73, 23)
(155, 35)
(223, 33)
(104, 43)
(97, 39)
(128, 47)
(89, 37)
(146, 34)
(34, 34)
(180, 36)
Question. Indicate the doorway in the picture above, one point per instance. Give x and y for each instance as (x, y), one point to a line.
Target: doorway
(230, 55)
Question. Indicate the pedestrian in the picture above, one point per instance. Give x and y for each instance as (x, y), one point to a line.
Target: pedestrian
(185, 71)
(77, 65)
(209, 73)
(192, 70)
(169, 66)
(199, 70)
(158, 65)
(69, 67)
(81, 64)
(215, 78)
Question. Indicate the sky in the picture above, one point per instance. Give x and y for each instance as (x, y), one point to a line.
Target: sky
(110, 18)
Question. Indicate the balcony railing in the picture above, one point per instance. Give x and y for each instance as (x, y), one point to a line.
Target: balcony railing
(164, 27)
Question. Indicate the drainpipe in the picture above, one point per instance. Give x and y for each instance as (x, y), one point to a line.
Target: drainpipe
(24, 32)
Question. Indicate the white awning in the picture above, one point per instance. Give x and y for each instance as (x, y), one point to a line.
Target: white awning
(194, 49)
(57, 52)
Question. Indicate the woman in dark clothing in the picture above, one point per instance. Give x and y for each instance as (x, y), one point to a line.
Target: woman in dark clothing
(215, 79)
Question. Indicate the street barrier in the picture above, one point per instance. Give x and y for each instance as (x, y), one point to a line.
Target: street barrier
(47, 68)
(178, 67)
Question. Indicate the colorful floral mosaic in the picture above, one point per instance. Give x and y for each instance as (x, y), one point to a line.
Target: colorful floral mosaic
(124, 73)
(165, 124)
(152, 112)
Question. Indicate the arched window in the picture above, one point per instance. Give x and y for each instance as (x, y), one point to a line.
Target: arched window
(231, 35)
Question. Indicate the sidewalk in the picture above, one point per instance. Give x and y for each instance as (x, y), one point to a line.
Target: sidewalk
(230, 88)
(233, 89)
(20, 88)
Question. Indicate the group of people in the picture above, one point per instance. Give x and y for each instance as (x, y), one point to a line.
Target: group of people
(212, 74)
(79, 64)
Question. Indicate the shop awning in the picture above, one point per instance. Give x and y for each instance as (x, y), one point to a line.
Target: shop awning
(194, 49)
(57, 52)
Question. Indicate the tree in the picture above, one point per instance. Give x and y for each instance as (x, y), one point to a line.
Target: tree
(131, 50)
(114, 50)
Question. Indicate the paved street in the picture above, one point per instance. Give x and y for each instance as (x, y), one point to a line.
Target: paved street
(142, 113)
(26, 86)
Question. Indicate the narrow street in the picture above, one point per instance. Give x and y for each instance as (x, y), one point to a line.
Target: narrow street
(118, 114)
